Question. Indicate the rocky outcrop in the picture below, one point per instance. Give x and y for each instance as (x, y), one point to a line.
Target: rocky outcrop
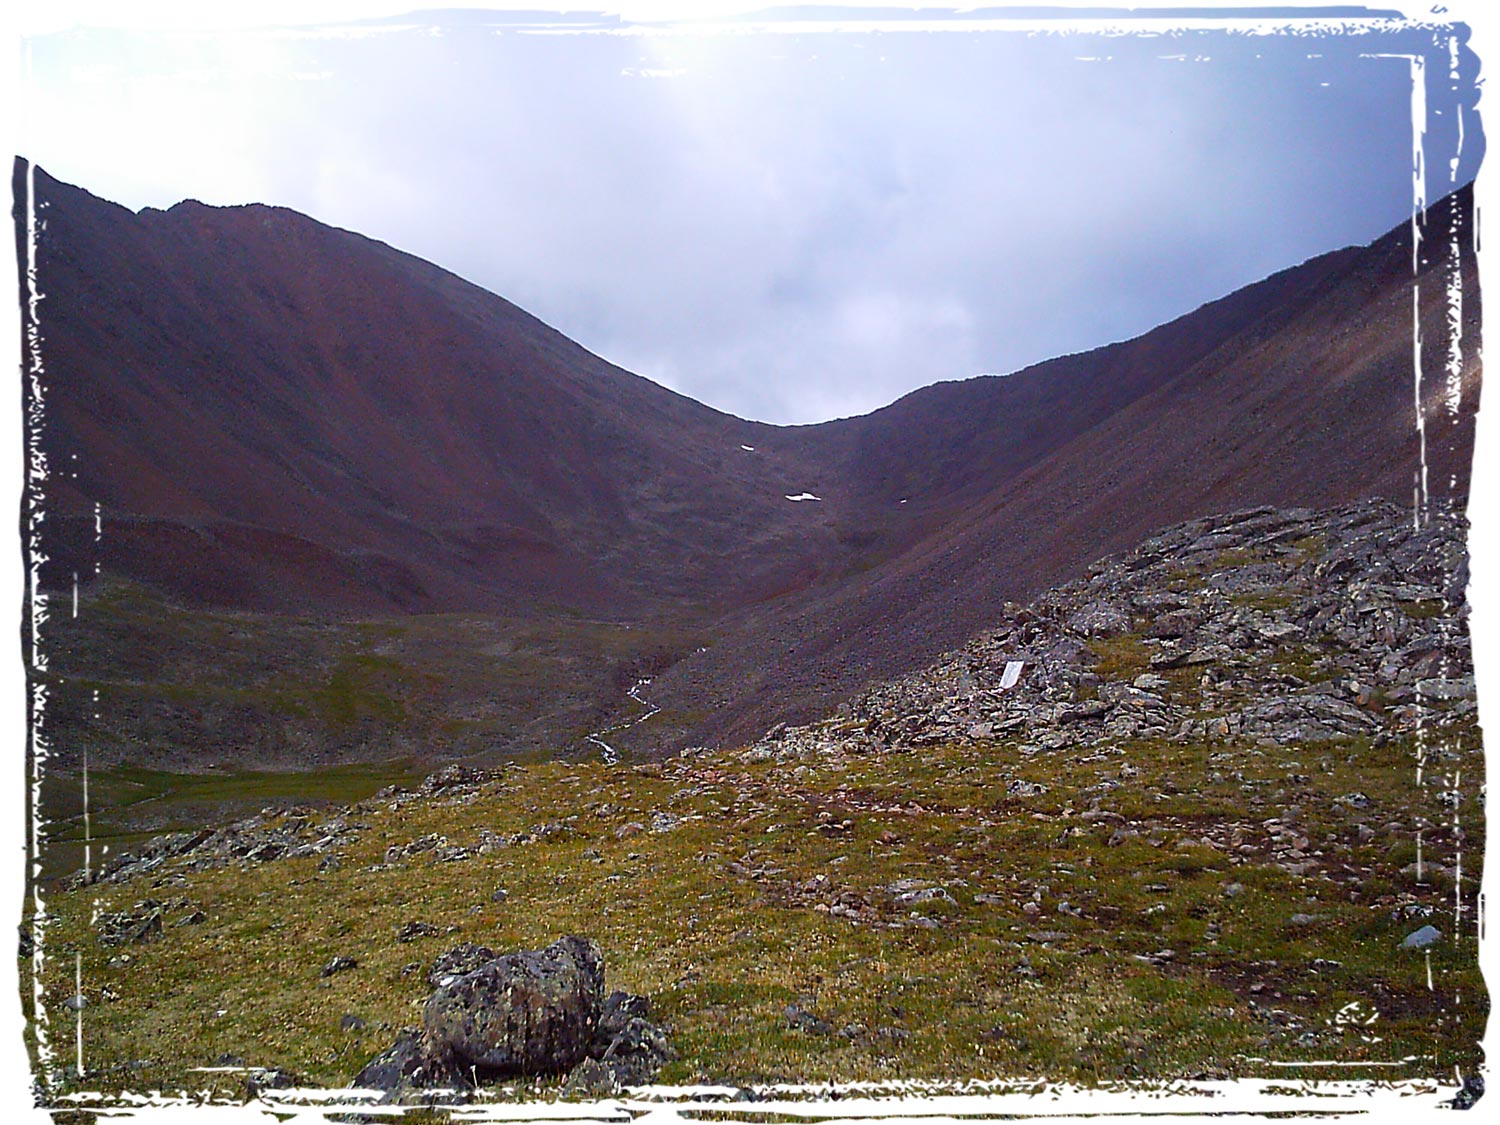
(529, 1013)
(269, 835)
(126, 927)
(298, 832)
(1277, 626)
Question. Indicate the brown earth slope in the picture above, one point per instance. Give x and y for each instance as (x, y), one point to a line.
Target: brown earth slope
(1313, 404)
(279, 417)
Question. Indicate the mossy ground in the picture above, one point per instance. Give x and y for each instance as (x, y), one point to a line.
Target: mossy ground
(131, 804)
(136, 678)
(743, 908)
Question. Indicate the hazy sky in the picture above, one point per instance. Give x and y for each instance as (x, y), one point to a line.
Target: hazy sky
(790, 223)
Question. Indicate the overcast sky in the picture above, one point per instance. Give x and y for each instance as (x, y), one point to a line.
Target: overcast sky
(790, 223)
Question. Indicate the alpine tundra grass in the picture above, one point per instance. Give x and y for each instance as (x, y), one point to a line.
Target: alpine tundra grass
(936, 925)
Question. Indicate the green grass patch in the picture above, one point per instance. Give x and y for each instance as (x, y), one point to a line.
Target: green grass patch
(1425, 609)
(1044, 945)
(1122, 657)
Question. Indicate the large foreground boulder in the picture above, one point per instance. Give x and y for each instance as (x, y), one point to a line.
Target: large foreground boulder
(523, 1013)
(530, 1013)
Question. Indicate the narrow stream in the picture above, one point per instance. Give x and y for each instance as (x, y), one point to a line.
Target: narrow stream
(611, 755)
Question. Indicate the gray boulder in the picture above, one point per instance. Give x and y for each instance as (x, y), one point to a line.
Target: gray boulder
(411, 1064)
(523, 1013)
(458, 962)
(637, 1053)
(494, 1017)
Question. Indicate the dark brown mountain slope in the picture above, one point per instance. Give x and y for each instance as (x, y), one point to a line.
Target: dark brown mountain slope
(279, 415)
(275, 415)
(1313, 404)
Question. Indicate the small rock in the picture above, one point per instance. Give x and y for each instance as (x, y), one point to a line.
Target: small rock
(1446, 690)
(618, 1009)
(592, 1078)
(1159, 958)
(1420, 939)
(927, 894)
(269, 1078)
(1469, 1093)
(338, 965)
(637, 1052)
(799, 1019)
(1426, 869)
(1022, 788)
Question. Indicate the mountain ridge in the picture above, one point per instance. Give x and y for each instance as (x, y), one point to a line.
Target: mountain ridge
(280, 417)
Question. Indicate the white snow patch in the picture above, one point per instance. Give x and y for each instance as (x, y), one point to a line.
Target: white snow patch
(1011, 674)
(804, 496)
(748, 448)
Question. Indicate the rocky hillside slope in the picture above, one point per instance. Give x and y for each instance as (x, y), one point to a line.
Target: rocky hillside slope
(1279, 626)
(1218, 802)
